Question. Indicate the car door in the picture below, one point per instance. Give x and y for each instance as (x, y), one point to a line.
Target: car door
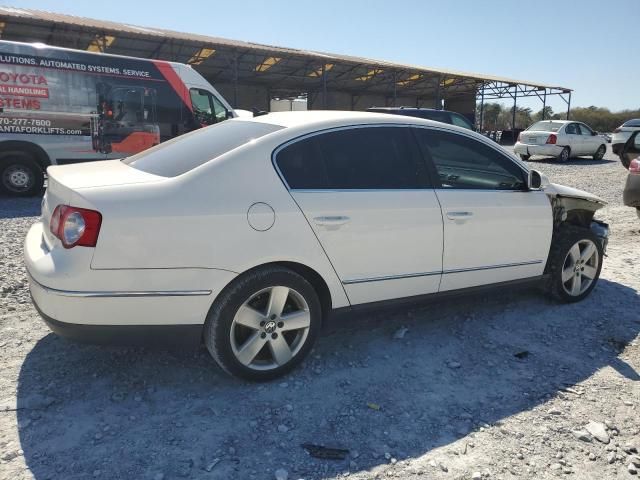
(366, 194)
(590, 142)
(495, 230)
(573, 139)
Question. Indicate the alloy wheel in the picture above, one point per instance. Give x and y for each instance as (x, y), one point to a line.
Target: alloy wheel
(270, 328)
(580, 267)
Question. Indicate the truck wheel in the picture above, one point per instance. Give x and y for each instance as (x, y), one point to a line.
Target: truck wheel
(263, 324)
(574, 264)
(525, 158)
(565, 154)
(20, 175)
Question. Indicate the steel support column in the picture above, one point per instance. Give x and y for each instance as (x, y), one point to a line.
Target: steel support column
(324, 87)
(515, 105)
(481, 124)
(544, 105)
(569, 106)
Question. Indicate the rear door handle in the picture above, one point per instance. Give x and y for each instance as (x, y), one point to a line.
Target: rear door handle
(459, 215)
(334, 221)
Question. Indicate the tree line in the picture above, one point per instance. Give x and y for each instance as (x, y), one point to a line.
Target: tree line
(500, 117)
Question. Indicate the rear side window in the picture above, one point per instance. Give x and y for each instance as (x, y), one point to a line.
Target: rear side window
(377, 158)
(184, 153)
(464, 163)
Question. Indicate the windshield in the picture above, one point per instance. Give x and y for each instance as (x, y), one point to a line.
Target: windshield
(184, 153)
(546, 126)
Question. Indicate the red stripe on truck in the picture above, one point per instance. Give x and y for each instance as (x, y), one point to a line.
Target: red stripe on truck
(175, 81)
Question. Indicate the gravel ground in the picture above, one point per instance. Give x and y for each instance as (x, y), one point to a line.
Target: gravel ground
(433, 391)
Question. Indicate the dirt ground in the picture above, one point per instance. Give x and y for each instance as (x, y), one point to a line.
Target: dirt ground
(506, 385)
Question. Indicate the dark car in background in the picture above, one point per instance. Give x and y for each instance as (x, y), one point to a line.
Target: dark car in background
(444, 116)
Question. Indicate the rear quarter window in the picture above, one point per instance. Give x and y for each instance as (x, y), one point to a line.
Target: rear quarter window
(184, 153)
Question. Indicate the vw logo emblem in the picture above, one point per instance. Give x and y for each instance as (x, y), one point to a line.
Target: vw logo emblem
(270, 326)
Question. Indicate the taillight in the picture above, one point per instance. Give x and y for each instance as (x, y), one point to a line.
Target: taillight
(551, 139)
(75, 226)
(634, 166)
(617, 130)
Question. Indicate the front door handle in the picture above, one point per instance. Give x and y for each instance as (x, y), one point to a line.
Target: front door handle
(331, 221)
(459, 215)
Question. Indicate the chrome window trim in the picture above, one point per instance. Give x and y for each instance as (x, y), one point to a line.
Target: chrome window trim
(442, 272)
(118, 294)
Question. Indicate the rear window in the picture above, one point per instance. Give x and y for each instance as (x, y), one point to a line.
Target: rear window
(184, 153)
(632, 123)
(545, 126)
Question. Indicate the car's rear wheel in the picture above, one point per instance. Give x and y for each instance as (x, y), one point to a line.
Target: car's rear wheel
(574, 264)
(20, 175)
(525, 157)
(263, 324)
(565, 154)
(599, 155)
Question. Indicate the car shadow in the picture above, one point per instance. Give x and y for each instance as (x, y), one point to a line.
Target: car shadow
(396, 381)
(13, 207)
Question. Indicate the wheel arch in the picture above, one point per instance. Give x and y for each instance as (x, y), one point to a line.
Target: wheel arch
(316, 280)
(36, 151)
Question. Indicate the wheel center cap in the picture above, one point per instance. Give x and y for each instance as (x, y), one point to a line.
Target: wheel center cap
(270, 326)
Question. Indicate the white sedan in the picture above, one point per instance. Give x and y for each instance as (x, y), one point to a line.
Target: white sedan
(562, 139)
(246, 234)
(622, 134)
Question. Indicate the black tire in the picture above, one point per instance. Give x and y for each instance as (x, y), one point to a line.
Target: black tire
(624, 161)
(20, 175)
(599, 155)
(217, 330)
(563, 240)
(525, 158)
(565, 155)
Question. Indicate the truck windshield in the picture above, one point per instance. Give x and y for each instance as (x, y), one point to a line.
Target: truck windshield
(545, 126)
(184, 153)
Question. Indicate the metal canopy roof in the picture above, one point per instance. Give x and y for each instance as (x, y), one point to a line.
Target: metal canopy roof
(286, 71)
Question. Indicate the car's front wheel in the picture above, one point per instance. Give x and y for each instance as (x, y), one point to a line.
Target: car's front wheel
(263, 324)
(525, 158)
(599, 155)
(574, 263)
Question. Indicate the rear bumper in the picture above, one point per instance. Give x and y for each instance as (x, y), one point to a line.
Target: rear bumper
(631, 192)
(547, 150)
(169, 336)
(128, 306)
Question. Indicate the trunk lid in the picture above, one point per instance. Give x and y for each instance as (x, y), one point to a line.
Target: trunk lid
(534, 137)
(64, 180)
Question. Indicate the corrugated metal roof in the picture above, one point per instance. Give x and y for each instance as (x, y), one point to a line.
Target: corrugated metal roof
(159, 34)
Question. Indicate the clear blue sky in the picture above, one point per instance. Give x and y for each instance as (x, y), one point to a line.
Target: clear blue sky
(590, 46)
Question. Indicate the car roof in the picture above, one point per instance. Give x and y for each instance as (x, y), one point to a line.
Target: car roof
(328, 118)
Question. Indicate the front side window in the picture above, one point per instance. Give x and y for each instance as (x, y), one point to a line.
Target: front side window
(460, 121)
(584, 130)
(207, 109)
(376, 158)
(464, 163)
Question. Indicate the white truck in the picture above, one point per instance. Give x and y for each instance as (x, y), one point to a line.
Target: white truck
(61, 106)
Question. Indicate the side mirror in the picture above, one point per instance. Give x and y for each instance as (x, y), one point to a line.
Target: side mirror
(534, 182)
(594, 133)
(229, 114)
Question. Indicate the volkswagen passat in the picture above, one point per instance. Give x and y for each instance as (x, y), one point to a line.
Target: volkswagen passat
(248, 233)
